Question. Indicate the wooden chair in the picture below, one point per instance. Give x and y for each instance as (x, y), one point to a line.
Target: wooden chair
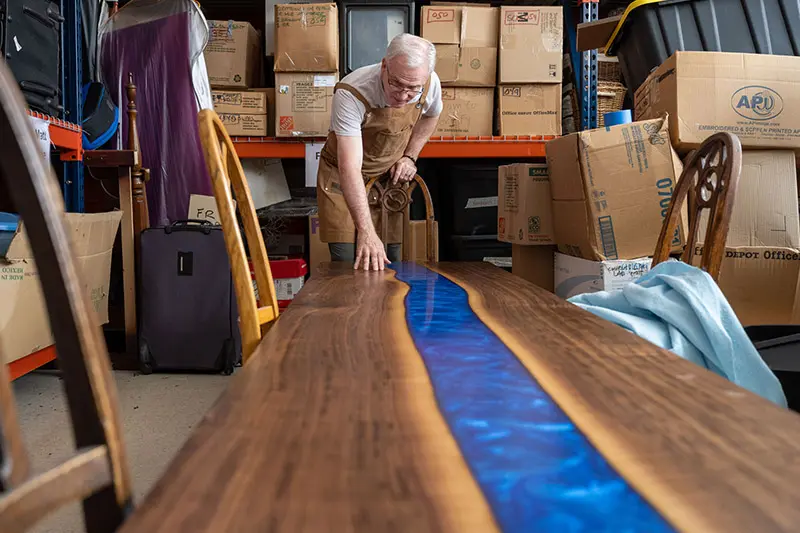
(226, 171)
(709, 180)
(97, 474)
(396, 199)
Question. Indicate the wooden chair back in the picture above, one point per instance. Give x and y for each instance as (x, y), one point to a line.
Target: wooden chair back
(226, 172)
(97, 473)
(709, 180)
(396, 199)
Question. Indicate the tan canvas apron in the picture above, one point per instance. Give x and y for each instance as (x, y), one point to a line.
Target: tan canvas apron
(384, 135)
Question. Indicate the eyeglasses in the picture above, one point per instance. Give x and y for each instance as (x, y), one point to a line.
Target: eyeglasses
(399, 87)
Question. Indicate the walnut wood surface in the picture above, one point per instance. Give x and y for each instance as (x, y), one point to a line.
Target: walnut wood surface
(333, 427)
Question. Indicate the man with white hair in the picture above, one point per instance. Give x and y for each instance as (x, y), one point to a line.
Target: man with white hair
(382, 115)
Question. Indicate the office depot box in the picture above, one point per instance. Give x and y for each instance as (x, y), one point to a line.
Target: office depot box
(524, 207)
(253, 102)
(533, 109)
(24, 323)
(466, 26)
(306, 38)
(303, 103)
(244, 125)
(756, 97)
(611, 190)
(531, 41)
(466, 67)
(233, 54)
(466, 111)
(761, 267)
(574, 276)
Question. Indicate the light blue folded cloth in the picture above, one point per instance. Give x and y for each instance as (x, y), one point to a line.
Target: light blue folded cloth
(680, 308)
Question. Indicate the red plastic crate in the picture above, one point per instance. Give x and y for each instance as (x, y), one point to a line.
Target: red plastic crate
(288, 275)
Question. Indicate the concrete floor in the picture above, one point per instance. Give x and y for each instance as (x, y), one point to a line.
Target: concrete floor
(158, 414)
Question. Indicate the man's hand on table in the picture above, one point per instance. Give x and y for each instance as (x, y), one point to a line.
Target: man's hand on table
(403, 171)
(370, 253)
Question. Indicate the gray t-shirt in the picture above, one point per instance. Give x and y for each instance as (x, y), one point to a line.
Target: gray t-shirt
(348, 112)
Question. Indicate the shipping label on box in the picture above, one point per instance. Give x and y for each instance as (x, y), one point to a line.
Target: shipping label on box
(574, 276)
(754, 96)
(612, 188)
(303, 103)
(531, 42)
(232, 54)
(467, 111)
(244, 125)
(533, 109)
(524, 210)
(24, 323)
(251, 102)
(306, 38)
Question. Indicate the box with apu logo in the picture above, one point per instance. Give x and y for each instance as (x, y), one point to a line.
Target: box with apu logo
(756, 97)
(612, 188)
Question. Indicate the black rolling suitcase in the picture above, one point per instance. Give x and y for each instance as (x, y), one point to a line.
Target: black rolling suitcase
(30, 36)
(187, 308)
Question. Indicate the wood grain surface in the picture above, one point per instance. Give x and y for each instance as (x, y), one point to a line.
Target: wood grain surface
(707, 454)
(333, 425)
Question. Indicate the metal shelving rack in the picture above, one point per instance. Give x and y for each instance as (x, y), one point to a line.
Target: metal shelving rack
(586, 75)
(72, 80)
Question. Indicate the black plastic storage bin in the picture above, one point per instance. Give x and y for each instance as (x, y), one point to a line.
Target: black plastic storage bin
(652, 32)
(477, 248)
(779, 346)
(473, 199)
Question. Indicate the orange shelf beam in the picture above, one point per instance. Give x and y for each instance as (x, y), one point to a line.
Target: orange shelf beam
(66, 136)
(437, 147)
(31, 362)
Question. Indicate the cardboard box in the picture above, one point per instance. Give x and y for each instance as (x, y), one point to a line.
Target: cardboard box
(765, 211)
(530, 109)
(761, 268)
(270, 111)
(244, 125)
(524, 209)
(318, 252)
(233, 54)
(465, 26)
(251, 102)
(531, 42)
(574, 276)
(756, 97)
(611, 190)
(466, 67)
(24, 324)
(303, 103)
(306, 38)
(467, 111)
(534, 264)
(418, 238)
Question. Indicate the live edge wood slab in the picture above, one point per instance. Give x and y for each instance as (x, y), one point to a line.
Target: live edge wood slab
(460, 398)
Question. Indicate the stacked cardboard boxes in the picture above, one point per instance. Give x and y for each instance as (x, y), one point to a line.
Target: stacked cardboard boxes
(525, 219)
(530, 70)
(466, 63)
(306, 68)
(233, 59)
(756, 98)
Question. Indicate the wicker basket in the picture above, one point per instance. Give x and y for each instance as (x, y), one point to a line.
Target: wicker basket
(608, 69)
(610, 97)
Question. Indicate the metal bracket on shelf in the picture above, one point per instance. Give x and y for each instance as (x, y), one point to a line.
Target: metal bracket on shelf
(72, 79)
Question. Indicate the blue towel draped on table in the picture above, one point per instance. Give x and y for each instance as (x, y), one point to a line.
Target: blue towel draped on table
(680, 308)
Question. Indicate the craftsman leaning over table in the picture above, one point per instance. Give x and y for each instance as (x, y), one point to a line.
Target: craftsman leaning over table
(382, 115)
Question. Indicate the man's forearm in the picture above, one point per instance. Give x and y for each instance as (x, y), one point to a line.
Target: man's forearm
(419, 136)
(355, 194)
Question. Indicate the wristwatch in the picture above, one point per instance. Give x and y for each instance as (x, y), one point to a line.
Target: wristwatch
(411, 158)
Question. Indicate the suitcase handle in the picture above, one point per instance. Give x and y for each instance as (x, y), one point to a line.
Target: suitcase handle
(190, 224)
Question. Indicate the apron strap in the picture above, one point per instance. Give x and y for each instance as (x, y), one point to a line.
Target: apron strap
(352, 90)
(423, 97)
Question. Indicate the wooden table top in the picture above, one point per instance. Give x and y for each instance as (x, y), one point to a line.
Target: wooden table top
(461, 398)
